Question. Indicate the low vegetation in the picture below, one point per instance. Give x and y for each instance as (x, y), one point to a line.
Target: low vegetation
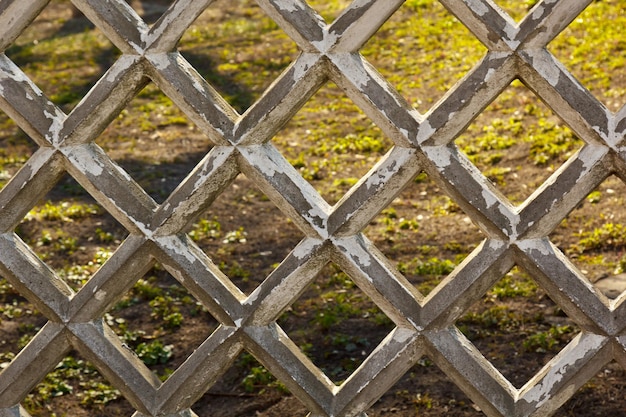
(517, 142)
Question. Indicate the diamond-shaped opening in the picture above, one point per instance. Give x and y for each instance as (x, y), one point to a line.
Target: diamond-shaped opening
(517, 327)
(335, 324)
(245, 234)
(425, 390)
(593, 236)
(154, 142)
(75, 387)
(518, 142)
(329, 10)
(593, 51)
(603, 395)
(19, 322)
(238, 49)
(515, 8)
(161, 321)
(71, 232)
(248, 388)
(63, 54)
(424, 233)
(423, 50)
(332, 143)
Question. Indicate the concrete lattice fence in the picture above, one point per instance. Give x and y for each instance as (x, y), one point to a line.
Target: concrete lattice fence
(515, 235)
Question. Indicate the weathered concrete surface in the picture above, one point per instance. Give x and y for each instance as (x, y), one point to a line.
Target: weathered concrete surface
(424, 325)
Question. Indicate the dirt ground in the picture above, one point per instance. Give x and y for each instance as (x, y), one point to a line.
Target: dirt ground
(338, 347)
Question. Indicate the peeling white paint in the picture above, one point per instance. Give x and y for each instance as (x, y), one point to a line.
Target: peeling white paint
(286, 5)
(100, 295)
(538, 12)
(542, 392)
(198, 84)
(537, 245)
(550, 71)
(489, 199)
(588, 163)
(513, 44)
(405, 132)
(354, 70)
(175, 245)
(354, 250)
(304, 249)
(138, 48)
(90, 166)
(325, 45)
(269, 170)
(217, 159)
(121, 66)
(316, 212)
(56, 124)
(425, 131)
(478, 7)
(160, 61)
(511, 32)
(253, 297)
(495, 244)
(15, 74)
(300, 69)
(440, 156)
(382, 176)
(403, 336)
(359, 4)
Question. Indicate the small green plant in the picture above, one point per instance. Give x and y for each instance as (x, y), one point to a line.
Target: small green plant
(423, 401)
(57, 242)
(594, 197)
(72, 375)
(96, 393)
(236, 236)
(104, 236)
(154, 353)
(496, 317)
(164, 308)
(235, 271)
(512, 286)
(335, 307)
(65, 211)
(257, 378)
(548, 341)
(432, 266)
(359, 144)
(146, 290)
(206, 229)
(408, 224)
(608, 236)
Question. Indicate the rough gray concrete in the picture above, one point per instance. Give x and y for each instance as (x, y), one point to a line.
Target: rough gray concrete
(515, 235)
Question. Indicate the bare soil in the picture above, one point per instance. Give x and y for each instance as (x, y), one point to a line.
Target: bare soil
(338, 347)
